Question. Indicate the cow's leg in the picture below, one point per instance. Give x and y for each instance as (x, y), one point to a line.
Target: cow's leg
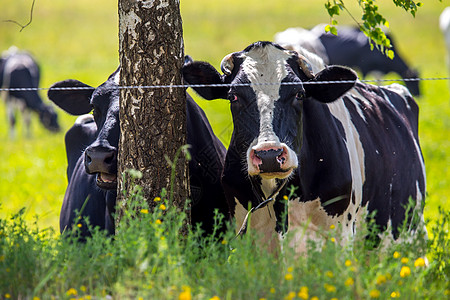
(27, 121)
(26, 115)
(10, 110)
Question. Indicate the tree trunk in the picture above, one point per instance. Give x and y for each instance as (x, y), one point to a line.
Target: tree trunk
(152, 121)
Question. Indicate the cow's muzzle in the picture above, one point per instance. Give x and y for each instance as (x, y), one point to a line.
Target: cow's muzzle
(103, 162)
(273, 161)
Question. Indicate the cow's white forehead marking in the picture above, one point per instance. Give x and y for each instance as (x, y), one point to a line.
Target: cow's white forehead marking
(265, 68)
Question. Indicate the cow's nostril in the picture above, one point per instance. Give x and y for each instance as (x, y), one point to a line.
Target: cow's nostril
(109, 159)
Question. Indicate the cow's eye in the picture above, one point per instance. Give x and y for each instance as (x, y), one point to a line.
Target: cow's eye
(297, 102)
(232, 97)
(300, 95)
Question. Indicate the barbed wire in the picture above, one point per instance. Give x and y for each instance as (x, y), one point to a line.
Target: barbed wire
(226, 84)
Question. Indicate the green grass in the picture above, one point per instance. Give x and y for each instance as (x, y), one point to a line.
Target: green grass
(149, 259)
(78, 39)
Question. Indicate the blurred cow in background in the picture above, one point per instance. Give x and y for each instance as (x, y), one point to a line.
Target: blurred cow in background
(349, 48)
(18, 69)
(444, 25)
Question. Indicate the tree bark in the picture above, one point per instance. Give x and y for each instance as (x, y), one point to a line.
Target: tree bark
(152, 121)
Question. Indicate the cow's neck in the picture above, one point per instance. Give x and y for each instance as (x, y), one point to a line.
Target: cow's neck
(324, 169)
(269, 187)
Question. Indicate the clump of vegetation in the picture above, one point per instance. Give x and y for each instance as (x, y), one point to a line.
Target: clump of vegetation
(148, 258)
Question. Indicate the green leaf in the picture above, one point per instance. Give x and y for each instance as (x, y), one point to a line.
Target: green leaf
(390, 54)
(333, 30)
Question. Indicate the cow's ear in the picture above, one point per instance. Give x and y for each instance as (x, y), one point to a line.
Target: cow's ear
(199, 72)
(329, 92)
(74, 101)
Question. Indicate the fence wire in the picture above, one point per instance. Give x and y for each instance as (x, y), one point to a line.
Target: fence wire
(228, 84)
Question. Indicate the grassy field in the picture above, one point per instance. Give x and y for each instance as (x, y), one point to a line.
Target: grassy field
(78, 39)
(75, 40)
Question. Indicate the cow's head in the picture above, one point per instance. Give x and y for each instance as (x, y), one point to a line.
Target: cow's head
(49, 118)
(267, 87)
(101, 156)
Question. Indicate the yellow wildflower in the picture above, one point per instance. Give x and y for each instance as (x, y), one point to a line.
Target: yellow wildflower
(381, 279)
(157, 199)
(185, 294)
(214, 298)
(79, 225)
(290, 269)
(83, 288)
(290, 296)
(329, 288)
(262, 299)
(420, 262)
(395, 295)
(224, 242)
(405, 272)
(329, 274)
(272, 290)
(396, 254)
(36, 298)
(158, 222)
(7, 296)
(285, 197)
(333, 240)
(348, 263)
(349, 282)
(71, 292)
(374, 294)
(332, 226)
(144, 211)
(303, 293)
(162, 207)
(288, 276)
(315, 298)
(404, 260)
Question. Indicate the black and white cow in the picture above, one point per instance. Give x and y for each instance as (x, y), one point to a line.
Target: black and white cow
(18, 69)
(91, 146)
(347, 147)
(350, 48)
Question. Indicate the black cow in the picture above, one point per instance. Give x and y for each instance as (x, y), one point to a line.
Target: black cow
(347, 147)
(92, 156)
(19, 70)
(352, 48)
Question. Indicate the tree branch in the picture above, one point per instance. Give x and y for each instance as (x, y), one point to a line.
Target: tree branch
(29, 22)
